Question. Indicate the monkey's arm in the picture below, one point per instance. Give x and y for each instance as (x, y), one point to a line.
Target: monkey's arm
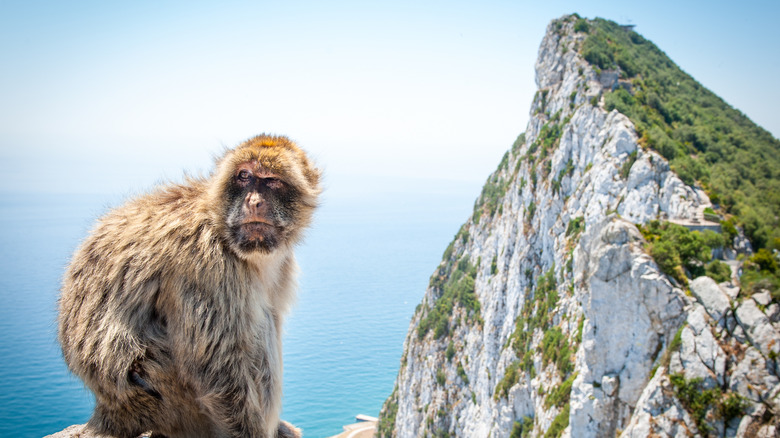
(102, 319)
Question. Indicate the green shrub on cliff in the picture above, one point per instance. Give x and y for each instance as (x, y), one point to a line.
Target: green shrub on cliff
(762, 272)
(457, 288)
(696, 400)
(718, 271)
(559, 423)
(387, 415)
(676, 249)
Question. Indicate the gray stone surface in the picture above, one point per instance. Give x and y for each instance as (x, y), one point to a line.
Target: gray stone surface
(711, 296)
(77, 431)
(758, 327)
(70, 432)
(763, 298)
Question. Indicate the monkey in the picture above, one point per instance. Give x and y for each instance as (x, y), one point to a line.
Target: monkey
(171, 309)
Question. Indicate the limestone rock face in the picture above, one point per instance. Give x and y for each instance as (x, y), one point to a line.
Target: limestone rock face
(712, 297)
(630, 310)
(72, 431)
(77, 431)
(576, 332)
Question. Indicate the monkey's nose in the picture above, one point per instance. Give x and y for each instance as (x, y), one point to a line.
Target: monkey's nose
(255, 205)
(255, 200)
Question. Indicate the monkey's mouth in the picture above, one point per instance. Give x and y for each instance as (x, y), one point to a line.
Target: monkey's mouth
(258, 229)
(257, 235)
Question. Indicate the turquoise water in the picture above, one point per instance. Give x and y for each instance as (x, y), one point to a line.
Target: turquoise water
(365, 265)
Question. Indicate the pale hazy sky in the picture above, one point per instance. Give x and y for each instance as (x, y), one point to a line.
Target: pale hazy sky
(112, 97)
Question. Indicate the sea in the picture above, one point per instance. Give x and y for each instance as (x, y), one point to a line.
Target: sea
(365, 264)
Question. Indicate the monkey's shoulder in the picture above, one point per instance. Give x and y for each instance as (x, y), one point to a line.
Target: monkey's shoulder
(167, 200)
(153, 229)
(168, 207)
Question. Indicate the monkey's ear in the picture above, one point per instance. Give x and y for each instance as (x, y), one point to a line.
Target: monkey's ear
(312, 175)
(308, 171)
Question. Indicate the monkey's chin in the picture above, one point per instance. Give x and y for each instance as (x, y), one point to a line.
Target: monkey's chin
(254, 237)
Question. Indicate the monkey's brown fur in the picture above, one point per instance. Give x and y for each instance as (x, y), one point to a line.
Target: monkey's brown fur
(174, 322)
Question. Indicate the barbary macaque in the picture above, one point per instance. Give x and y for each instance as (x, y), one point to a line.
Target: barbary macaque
(171, 309)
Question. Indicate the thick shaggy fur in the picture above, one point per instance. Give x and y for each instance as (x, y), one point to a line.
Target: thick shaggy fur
(172, 326)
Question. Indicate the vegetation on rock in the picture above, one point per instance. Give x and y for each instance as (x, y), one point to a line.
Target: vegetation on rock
(456, 284)
(704, 404)
(522, 429)
(560, 395)
(761, 272)
(555, 347)
(559, 423)
(705, 139)
(386, 423)
(680, 252)
(696, 400)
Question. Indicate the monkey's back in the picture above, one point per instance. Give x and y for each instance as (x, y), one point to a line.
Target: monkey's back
(116, 283)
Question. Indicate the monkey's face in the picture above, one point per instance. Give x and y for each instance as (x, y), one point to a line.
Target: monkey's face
(261, 208)
(262, 195)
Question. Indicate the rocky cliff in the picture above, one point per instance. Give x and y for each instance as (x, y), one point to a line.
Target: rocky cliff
(547, 316)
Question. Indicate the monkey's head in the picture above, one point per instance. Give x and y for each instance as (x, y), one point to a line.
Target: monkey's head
(264, 194)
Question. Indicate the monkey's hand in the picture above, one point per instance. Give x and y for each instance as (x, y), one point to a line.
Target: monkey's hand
(287, 430)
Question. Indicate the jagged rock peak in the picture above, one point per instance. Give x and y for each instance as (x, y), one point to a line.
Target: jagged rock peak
(546, 317)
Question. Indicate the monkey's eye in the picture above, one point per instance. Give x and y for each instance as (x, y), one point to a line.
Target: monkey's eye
(244, 175)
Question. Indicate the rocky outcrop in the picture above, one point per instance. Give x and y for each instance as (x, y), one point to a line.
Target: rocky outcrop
(75, 431)
(716, 351)
(630, 311)
(546, 316)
